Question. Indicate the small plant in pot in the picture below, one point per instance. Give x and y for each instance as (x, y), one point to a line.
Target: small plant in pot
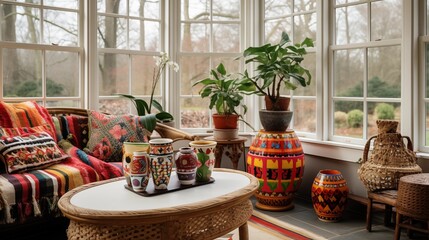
(278, 66)
(226, 92)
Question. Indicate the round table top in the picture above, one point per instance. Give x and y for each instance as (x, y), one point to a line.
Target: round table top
(110, 197)
(420, 179)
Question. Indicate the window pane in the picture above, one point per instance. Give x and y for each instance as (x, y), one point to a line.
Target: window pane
(305, 26)
(194, 113)
(231, 64)
(62, 73)
(61, 28)
(274, 29)
(22, 73)
(142, 75)
(304, 115)
(72, 4)
(226, 10)
(109, 6)
(150, 9)
(22, 24)
(226, 38)
(348, 73)
(195, 10)
(115, 106)
(379, 110)
(384, 72)
(427, 17)
(386, 19)
(348, 119)
(113, 74)
(144, 35)
(192, 69)
(195, 37)
(112, 32)
(63, 103)
(275, 8)
(351, 24)
(304, 5)
(345, 1)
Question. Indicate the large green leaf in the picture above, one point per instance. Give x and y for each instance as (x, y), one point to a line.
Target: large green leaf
(148, 121)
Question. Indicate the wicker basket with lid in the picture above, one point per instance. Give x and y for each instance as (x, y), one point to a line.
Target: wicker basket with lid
(390, 158)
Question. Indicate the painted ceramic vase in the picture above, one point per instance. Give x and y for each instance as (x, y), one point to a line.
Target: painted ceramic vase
(186, 165)
(277, 160)
(329, 195)
(161, 162)
(161, 146)
(206, 158)
(128, 148)
(160, 169)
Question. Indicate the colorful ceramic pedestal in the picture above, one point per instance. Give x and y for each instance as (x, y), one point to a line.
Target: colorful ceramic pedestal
(277, 160)
(329, 195)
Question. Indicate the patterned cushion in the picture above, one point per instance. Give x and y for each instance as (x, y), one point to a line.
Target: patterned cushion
(25, 114)
(72, 128)
(108, 132)
(29, 151)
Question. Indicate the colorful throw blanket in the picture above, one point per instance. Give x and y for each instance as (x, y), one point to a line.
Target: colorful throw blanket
(35, 193)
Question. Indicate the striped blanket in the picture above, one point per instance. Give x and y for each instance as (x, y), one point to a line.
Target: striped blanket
(25, 196)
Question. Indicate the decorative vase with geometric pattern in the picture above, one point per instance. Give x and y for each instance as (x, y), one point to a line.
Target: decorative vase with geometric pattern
(329, 195)
(277, 160)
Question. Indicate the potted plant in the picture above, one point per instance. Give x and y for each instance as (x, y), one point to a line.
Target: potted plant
(278, 65)
(144, 107)
(226, 91)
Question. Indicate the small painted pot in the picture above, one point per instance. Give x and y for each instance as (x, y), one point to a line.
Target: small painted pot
(206, 158)
(140, 163)
(139, 182)
(128, 149)
(160, 169)
(161, 146)
(329, 195)
(186, 165)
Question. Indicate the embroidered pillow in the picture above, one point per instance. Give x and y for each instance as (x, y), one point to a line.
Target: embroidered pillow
(72, 128)
(25, 114)
(29, 151)
(107, 133)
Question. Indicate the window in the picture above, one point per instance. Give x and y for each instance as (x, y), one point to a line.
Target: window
(128, 36)
(298, 20)
(366, 67)
(210, 33)
(41, 52)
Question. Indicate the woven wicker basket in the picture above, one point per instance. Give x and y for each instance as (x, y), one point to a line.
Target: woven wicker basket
(390, 159)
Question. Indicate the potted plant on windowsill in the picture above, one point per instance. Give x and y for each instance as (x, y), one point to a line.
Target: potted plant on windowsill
(226, 92)
(144, 107)
(278, 65)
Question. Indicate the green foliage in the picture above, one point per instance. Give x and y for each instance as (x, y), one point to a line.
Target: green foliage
(143, 108)
(355, 118)
(376, 88)
(278, 66)
(385, 111)
(34, 89)
(340, 119)
(225, 91)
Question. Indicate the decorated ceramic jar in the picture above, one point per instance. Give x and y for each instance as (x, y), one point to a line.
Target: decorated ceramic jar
(206, 158)
(160, 146)
(277, 160)
(128, 148)
(186, 165)
(161, 162)
(329, 195)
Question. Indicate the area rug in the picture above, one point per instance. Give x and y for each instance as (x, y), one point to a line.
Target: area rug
(262, 226)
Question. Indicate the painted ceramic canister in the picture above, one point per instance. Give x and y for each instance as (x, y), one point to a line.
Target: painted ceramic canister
(128, 148)
(329, 195)
(277, 160)
(160, 169)
(161, 146)
(206, 158)
(186, 165)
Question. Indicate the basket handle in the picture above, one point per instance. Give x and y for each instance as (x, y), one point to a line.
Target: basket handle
(366, 149)
(409, 143)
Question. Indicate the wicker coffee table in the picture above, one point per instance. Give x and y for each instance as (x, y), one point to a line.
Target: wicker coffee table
(106, 210)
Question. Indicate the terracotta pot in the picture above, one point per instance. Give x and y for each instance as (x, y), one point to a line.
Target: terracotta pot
(329, 195)
(282, 104)
(225, 121)
(277, 160)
